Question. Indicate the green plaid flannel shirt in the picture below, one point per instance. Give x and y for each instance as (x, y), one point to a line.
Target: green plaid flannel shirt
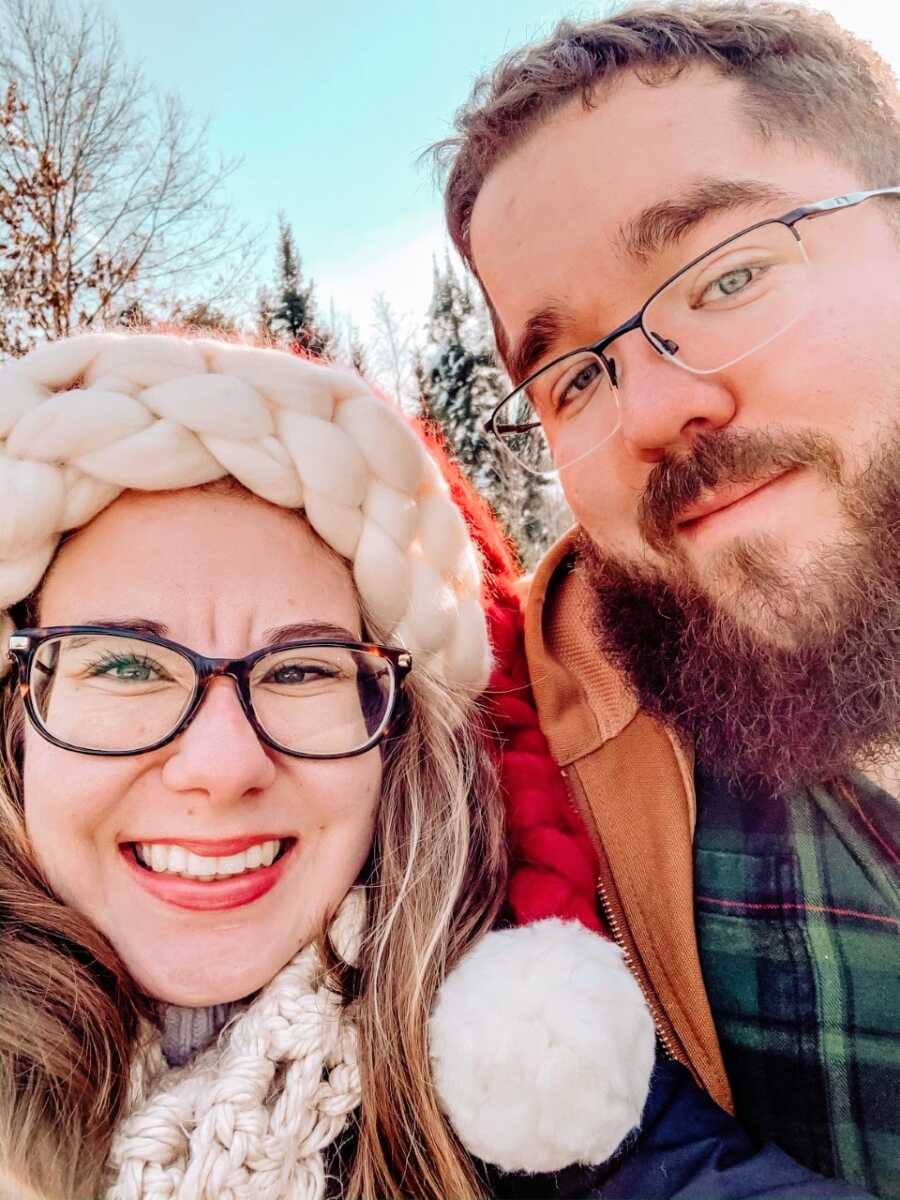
(798, 923)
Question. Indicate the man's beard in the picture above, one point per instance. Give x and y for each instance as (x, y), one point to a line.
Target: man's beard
(823, 693)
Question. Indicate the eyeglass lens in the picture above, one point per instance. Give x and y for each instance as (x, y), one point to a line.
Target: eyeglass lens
(567, 387)
(735, 300)
(103, 691)
(732, 302)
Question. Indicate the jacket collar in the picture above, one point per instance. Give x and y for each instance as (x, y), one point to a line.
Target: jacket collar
(583, 699)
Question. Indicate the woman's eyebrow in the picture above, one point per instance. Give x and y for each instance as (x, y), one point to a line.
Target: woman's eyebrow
(275, 636)
(300, 630)
(132, 625)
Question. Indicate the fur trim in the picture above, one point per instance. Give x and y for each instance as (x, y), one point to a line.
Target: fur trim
(542, 1047)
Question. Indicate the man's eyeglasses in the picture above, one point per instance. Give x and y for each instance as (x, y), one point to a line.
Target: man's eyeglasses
(99, 690)
(721, 307)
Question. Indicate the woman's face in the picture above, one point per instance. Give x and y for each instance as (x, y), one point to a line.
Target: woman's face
(222, 573)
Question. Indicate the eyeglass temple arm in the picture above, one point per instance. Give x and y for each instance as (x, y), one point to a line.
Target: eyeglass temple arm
(503, 428)
(846, 201)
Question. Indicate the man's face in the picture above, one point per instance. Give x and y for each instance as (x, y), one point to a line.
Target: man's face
(551, 233)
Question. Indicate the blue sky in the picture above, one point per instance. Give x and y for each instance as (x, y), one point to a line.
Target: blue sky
(329, 104)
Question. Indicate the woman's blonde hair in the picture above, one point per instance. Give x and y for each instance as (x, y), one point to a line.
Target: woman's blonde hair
(70, 1016)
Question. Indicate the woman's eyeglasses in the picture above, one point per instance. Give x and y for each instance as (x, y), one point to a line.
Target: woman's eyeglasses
(101, 690)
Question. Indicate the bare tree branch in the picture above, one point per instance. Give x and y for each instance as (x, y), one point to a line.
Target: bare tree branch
(393, 349)
(106, 188)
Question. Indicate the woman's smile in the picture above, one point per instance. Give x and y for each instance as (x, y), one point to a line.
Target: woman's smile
(208, 882)
(209, 859)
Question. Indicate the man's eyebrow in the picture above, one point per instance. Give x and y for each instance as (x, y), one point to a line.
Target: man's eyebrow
(666, 223)
(542, 330)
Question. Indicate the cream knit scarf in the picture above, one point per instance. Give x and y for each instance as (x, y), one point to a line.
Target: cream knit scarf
(248, 1118)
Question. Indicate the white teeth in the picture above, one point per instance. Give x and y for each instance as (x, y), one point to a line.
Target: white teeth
(176, 860)
(199, 867)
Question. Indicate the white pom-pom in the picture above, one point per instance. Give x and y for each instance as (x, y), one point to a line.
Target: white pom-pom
(542, 1047)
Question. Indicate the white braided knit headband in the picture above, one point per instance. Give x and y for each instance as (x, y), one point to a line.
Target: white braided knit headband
(84, 418)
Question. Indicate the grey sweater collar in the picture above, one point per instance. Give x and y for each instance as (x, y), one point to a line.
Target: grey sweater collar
(189, 1030)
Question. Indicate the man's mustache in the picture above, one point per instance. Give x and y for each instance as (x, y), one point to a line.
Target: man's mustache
(724, 457)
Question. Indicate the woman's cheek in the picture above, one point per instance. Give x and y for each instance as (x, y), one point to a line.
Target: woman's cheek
(70, 803)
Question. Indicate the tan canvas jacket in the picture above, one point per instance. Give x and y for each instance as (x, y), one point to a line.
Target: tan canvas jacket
(632, 781)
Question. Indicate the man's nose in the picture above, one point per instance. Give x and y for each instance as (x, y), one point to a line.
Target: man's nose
(219, 754)
(662, 406)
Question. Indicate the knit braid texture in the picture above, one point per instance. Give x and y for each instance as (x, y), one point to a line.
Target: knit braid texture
(248, 1119)
(85, 418)
(553, 868)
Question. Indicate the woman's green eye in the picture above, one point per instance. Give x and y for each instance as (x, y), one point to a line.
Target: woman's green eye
(129, 670)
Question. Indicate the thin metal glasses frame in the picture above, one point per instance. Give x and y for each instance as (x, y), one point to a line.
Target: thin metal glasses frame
(24, 644)
(789, 220)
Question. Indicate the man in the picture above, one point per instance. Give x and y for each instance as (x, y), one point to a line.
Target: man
(709, 358)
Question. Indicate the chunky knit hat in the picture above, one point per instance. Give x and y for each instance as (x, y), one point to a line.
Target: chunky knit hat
(84, 418)
(541, 1043)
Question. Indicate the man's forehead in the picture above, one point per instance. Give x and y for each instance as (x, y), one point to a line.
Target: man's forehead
(601, 165)
(634, 131)
(593, 196)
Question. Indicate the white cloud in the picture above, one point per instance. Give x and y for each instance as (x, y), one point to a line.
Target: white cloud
(875, 20)
(396, 260)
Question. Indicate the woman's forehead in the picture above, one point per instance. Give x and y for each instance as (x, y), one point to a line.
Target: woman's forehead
(198, 560)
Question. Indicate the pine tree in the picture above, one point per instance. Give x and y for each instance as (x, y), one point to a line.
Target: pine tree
(290, 315)
(459, 383)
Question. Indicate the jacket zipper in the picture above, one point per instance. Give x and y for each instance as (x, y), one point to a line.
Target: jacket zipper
(615, 929)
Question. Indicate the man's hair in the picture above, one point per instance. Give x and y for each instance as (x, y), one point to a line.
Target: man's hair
(804, 78)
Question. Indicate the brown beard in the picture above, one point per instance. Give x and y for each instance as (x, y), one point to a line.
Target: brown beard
(759, 712)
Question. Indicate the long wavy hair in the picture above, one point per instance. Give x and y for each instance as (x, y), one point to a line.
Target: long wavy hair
(71, 1017)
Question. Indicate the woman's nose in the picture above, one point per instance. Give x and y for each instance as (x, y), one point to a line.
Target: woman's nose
(219, 754)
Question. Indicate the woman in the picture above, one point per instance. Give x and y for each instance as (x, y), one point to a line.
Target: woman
(247, 823)
(228, 713)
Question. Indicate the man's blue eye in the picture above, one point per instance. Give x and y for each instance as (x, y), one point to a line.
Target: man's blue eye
(586, 379)
(733, 281)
